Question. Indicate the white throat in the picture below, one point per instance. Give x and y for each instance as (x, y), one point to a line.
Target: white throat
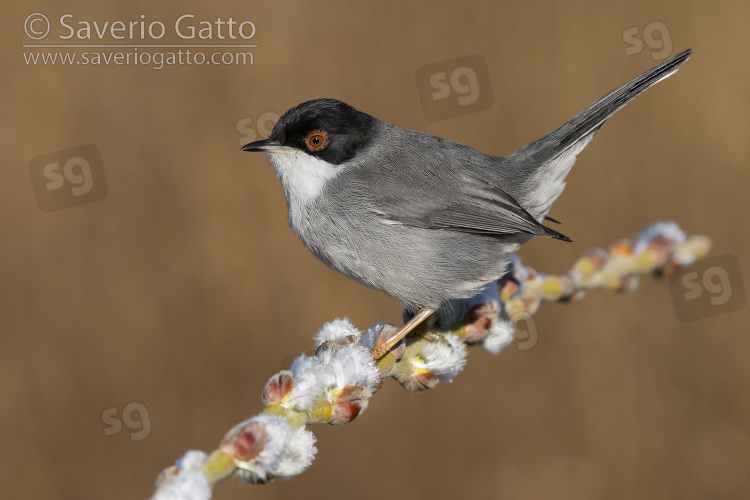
(302, 178)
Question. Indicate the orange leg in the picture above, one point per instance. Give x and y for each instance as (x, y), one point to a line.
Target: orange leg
(381, 349)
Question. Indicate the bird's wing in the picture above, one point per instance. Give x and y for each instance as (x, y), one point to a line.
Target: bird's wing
(477, 207)
(541, 166)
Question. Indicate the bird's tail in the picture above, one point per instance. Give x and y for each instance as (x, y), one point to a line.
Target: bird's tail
(545, 163)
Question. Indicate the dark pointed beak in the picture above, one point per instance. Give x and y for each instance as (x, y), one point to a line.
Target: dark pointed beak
(265, 146)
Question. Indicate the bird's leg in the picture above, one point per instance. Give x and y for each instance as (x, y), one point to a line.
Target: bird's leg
(379, 350)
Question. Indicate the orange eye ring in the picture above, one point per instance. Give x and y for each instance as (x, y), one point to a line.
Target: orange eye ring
(316, 140)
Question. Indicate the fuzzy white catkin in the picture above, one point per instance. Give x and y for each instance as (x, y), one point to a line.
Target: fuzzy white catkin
(336, 331)
(287, 452)
(332, 369)
(444, 361)
(498, 336)
(190, 483)
(669, 230)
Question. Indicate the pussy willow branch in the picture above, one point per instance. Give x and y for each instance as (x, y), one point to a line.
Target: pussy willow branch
(336, 384)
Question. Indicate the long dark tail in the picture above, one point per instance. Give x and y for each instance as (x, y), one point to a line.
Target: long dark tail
(545, 162)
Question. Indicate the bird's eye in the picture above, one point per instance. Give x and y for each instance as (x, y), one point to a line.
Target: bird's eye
(316, 140)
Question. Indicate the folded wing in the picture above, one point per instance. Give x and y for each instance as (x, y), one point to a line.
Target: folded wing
(478, 207)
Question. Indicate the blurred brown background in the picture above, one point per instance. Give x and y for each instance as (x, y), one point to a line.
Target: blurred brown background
(184, 289)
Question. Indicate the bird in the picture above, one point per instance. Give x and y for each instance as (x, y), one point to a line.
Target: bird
(424, 219)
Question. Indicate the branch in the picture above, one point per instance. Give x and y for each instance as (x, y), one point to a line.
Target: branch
(335, 385)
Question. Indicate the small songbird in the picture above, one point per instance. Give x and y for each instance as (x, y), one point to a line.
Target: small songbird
(421, 218)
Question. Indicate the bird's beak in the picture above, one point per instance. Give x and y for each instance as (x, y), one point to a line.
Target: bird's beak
(265, 146)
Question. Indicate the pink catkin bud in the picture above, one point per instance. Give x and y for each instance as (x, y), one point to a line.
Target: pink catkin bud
(478, 322)
(420, 381)
(245, 441)
(349, 404)
(278, 387)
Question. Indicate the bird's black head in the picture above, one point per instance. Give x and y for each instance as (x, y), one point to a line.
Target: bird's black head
(324, 128)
